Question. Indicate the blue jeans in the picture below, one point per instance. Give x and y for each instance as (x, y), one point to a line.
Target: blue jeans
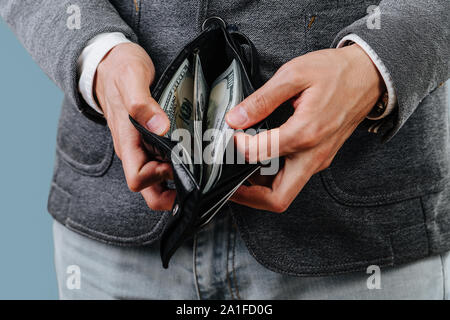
(217, 265)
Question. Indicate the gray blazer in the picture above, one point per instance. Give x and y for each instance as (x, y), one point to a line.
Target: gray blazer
(385, 200)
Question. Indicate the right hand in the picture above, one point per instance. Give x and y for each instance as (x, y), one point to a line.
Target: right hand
(122, 86)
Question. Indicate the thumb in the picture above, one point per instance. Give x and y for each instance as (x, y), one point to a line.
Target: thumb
(142, 107)
(285, 84)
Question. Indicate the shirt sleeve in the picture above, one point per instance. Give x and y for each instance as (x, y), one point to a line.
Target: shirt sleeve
(375, 114)
(89, 59)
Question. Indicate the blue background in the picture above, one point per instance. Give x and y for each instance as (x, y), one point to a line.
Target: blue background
(30, 106)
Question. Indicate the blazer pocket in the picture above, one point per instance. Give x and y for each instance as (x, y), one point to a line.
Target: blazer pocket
(366, 172)
(83, 144)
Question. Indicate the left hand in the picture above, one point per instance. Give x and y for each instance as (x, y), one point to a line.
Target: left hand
(332, 91)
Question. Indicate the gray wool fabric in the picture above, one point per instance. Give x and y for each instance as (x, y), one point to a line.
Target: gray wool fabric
(385, 200)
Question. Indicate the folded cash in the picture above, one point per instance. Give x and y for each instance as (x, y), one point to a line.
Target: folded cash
(190, 105)
(226, 93)
(176, 100)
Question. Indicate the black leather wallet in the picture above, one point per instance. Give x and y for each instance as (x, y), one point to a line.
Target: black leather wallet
(217, 46)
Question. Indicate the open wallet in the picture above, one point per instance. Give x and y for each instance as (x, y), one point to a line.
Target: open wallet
(209, 76)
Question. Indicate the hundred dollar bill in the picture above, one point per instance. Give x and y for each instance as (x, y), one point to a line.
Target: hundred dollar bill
(177, 102)
(176, 99)
(226, 93)
(200, 96)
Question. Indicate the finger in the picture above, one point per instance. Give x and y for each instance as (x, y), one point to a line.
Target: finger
(285, 187)
(262, 180)
(305, 129)
(274, 143)
(260, 147)
(140, 173)
(286, 83)
(159, 198)
(140, 104)
(267, 198)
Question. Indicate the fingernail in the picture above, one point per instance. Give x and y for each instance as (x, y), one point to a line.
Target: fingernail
(157, 124)
(237, 116)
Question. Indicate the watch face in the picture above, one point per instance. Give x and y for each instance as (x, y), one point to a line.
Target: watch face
(380, 106)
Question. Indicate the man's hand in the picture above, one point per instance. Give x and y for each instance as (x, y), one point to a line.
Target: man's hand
(122, 86)
(332, 91)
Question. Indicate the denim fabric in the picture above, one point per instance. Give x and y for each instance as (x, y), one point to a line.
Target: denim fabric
(217, 265)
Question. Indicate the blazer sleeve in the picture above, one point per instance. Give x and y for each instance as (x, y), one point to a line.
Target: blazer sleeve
(42, 27)
(413, 41)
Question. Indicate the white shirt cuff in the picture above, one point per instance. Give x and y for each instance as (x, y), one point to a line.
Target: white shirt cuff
(392, 100)
(89, 60)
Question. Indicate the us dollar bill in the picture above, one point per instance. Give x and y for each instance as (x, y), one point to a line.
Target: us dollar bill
(226, 92)
(200, 103)
(177, 102)
(190, 105)
(177, 99)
